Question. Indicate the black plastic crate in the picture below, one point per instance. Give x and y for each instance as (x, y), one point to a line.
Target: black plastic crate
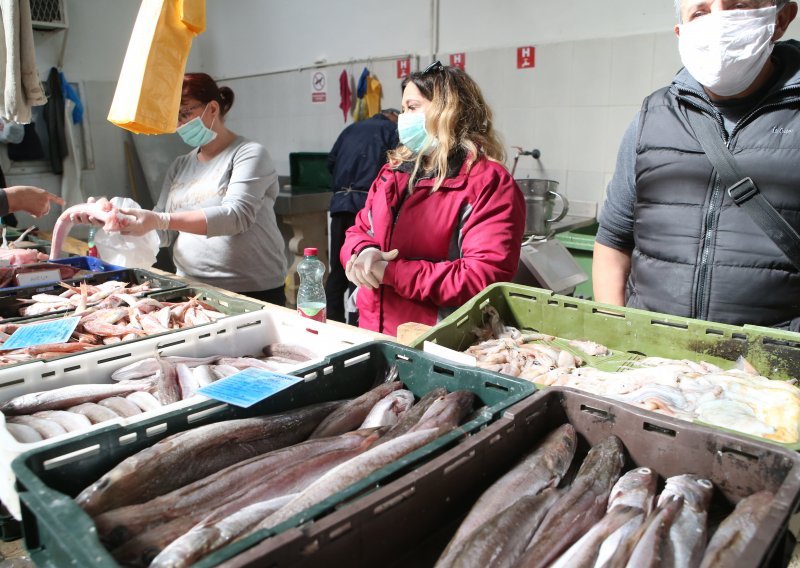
(58, 532)
(410, 521)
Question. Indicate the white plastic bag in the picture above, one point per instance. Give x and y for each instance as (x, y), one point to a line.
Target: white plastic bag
(127, 250)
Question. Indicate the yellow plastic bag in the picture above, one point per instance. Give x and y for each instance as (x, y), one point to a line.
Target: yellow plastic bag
(148, 93)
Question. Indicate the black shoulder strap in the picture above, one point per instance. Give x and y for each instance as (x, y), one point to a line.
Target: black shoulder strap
(743, 190)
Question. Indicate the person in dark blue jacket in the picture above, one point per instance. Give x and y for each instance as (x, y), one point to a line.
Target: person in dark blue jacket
(355, 160)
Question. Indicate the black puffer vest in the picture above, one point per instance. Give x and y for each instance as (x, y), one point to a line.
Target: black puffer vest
(696, 253)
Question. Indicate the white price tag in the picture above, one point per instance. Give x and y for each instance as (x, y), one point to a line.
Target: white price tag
(38, 277)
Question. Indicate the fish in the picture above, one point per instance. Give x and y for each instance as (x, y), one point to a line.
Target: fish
(544, 467)
(629, 503)
(204, 375)
(634, 489)
(235, 481)
(688, 533)
(412, 416)
(288, 351)
(653, 549)
(168, 388)
(282, 471)
(389, 409)
(502, 539)
(349, 473)
(70, 421)
(590, 347)
(140, 551)
(734, 534)
(104, 211)
(213, 533)
(45, 428)
(583, 553)
(350, 415)
(163, 466)
(121, 406)
(581, 506)
(94, 412)
(65, 397)
(149, 367)
(186, 381)
(23, 433)
(447, 412)
(144, 400)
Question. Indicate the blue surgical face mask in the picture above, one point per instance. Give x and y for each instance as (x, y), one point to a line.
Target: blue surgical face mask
(195, 133)
(411, 130)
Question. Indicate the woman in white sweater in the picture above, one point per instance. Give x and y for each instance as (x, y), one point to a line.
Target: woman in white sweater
(217, 202)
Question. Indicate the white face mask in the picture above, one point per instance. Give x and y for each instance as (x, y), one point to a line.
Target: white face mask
(726, 50)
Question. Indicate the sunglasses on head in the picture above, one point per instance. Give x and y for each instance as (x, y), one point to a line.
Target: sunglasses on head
(435, 66)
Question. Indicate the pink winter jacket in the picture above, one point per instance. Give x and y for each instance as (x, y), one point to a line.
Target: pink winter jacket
(452, 243)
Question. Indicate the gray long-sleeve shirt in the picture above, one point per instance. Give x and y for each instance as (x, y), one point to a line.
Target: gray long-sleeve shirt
(243, 249)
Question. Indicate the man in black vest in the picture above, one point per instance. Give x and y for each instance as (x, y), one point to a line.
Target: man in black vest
(671, 238)
(355, 160)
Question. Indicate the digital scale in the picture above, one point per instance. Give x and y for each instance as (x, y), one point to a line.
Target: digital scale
(547, 263)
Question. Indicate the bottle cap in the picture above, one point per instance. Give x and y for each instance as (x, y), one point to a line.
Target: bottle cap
(310, 251)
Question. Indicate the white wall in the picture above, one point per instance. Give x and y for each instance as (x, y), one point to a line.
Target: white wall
(595, 61)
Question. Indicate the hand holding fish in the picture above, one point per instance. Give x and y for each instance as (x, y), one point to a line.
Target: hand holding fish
(368, 267)
(143, 221)
(86, 216)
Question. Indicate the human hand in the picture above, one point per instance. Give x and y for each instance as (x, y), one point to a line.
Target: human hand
(368, 267)
(142, 221)
(85, 217)
(33, 200)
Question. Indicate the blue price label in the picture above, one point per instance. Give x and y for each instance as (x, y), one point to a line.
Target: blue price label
(248, 387)
(55, 331)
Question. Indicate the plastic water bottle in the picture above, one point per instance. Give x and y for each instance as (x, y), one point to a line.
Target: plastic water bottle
(90, 241)
(311, 293)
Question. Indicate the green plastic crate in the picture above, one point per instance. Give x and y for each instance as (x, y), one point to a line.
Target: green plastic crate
(308, 172)
(580, 244)
(631, 334)
(58, 533)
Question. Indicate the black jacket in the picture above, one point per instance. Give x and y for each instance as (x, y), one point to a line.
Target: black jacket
(696, 253)
(356, 158)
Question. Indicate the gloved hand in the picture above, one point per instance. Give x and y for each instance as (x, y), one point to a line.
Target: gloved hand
(143, 221)
(86, 218)
(368, 267)
(33, 200)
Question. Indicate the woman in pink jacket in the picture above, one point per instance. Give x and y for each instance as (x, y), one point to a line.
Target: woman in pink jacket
(444, 218)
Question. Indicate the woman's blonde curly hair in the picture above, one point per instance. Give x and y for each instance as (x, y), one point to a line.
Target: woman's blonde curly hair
(458, 118)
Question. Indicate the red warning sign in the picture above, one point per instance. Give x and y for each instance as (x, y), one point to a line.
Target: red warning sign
(403, 68)
(458, 60)
(526, 57)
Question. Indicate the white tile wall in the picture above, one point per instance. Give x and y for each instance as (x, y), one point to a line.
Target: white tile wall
(573, 106)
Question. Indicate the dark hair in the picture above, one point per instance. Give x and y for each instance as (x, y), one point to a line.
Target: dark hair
(203, 88)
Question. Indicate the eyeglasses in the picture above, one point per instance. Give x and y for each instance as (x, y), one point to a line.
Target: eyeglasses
(435, 66)
(187, 112)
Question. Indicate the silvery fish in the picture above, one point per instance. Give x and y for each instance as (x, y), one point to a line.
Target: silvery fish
(688, 534)
(350, 472)
(351, 414)
(734, 534)
(542, 468)
(583, 504)
(389, 410)
(501, 540)
(65, 397)
(653, 548)
(162, 467)
(262, 477)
